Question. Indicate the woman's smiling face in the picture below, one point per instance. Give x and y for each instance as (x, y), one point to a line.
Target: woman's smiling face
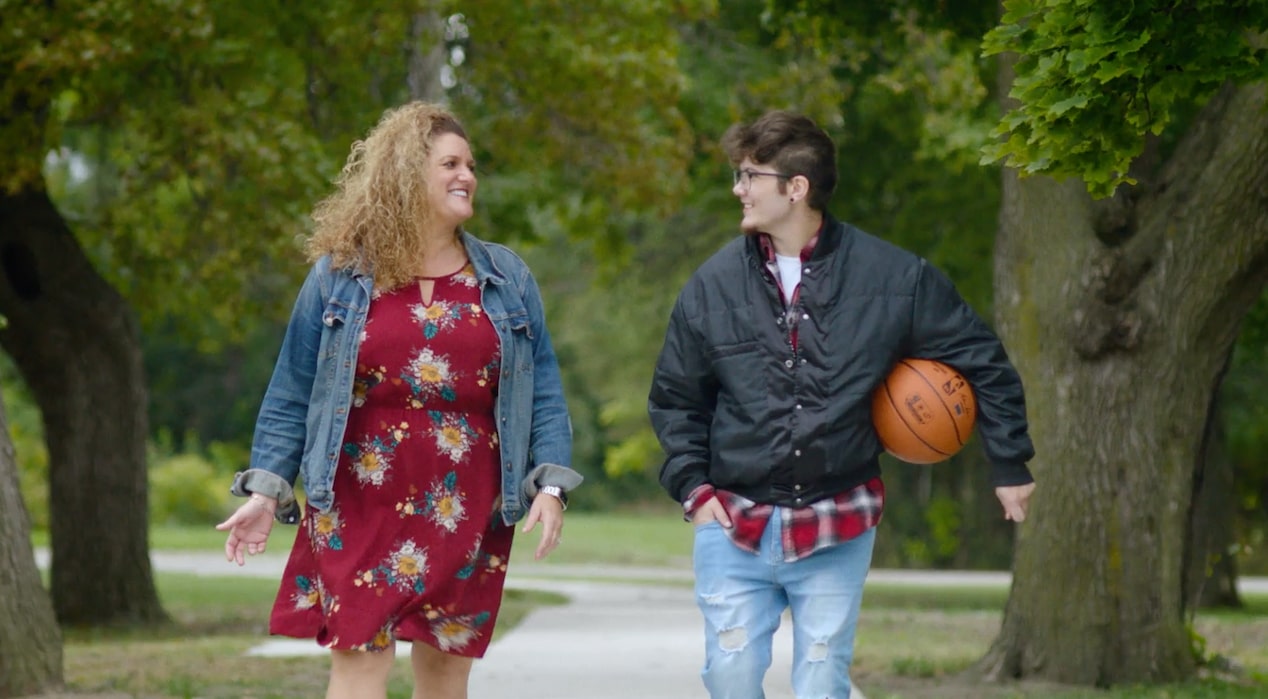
(452, 180)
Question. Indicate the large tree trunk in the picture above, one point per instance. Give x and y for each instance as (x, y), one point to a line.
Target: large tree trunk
(77, 345)
(1119, 315)
(30, 640)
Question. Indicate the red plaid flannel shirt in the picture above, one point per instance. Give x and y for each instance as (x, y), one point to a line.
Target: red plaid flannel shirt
(803, 530)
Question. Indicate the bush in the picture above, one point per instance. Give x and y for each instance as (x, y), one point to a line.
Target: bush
(186, 489)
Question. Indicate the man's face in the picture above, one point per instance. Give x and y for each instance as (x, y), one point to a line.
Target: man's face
(758, 187)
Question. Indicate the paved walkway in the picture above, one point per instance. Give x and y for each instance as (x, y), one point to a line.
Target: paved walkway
(613, 639)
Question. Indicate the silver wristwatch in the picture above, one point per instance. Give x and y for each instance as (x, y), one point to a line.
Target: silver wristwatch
(555, 492)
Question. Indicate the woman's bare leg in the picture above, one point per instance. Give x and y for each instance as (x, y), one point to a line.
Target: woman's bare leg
(359, 674)
(439, 675)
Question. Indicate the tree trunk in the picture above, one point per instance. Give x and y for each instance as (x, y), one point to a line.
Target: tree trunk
(30, 640)
(77, 346)
(427, 56)
(1120, 314)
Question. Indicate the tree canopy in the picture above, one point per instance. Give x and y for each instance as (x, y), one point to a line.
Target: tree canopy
(1092, 78)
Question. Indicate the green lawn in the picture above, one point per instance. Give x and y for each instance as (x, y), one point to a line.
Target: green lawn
(615, 539)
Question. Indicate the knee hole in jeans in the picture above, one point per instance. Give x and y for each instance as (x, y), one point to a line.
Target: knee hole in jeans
(733, 639)
(818, 652)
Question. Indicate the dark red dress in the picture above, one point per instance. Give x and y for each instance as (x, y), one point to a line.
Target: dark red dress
(413, 547)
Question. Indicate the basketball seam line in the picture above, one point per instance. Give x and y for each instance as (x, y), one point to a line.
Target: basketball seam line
(954, 425)
(890, 397)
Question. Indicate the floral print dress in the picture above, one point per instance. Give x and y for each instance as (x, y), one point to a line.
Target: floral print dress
(413, 547)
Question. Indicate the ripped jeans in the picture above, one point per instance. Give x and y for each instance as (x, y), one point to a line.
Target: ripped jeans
(743, 597)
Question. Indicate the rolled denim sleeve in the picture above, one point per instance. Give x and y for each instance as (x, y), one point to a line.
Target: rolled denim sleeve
(550, 441)
(280, 428)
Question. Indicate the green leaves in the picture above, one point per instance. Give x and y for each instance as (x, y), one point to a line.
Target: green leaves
(207, 131)
(1093, 78)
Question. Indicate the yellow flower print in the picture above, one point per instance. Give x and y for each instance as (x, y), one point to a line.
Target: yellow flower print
(407, 566)
(429, 373)
(445, 507)
(372, 457)
(452, 437)
(324, 530)
(456, 632)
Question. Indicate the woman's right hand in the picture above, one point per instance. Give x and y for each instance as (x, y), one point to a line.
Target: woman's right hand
(249, 528)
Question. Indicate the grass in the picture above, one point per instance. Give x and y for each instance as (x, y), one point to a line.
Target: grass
(629, 539)
(912, 641)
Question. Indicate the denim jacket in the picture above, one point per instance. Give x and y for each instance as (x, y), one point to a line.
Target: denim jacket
(300, 428)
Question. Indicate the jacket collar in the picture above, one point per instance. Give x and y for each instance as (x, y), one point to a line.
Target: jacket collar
(486, 269)
(830, 237)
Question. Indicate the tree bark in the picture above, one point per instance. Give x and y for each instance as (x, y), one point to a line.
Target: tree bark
(1119, 314)
(30, 640)
(427, 57)
(77, 345)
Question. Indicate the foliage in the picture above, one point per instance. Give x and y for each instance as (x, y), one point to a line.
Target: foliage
(186, 488)
(926, 52)
(1246, 424)
(27, 433)
(190, 138)
(1093, 77)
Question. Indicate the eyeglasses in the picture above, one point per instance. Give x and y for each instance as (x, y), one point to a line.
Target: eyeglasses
(744, 177)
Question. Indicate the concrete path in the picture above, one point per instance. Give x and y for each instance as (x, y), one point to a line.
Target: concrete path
(613, 639)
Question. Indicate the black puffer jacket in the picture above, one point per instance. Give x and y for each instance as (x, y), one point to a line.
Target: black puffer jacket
(733, 405)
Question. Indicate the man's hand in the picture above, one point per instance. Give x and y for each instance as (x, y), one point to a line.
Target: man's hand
(248, 528)
(709, 511)
(1015, 499)
(548, 510)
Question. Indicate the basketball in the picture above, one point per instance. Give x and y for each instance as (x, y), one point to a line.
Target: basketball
(924, 411)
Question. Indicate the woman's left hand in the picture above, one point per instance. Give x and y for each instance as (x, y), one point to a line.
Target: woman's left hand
(550, 512)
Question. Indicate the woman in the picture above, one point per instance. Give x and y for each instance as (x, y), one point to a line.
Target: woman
(415, 383)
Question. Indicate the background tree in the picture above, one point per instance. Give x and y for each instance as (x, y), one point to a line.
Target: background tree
(1124, 311)
(31, 643)
(1121, 311)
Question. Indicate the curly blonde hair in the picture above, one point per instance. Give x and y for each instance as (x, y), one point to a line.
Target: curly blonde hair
(376, 216)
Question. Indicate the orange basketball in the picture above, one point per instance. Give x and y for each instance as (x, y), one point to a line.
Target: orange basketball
(924, 412)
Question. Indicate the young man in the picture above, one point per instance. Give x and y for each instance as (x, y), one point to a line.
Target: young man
(761, 400)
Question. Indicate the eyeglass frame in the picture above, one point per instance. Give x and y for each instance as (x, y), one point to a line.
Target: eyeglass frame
(746, 175)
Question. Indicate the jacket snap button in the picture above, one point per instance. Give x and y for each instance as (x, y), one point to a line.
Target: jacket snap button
(788, 363)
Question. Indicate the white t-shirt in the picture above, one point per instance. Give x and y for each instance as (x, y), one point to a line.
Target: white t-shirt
(789, 275)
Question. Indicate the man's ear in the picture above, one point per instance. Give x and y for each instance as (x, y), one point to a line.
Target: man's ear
(799, 187)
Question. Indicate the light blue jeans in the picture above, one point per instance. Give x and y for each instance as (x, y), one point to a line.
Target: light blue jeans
(743, 597)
